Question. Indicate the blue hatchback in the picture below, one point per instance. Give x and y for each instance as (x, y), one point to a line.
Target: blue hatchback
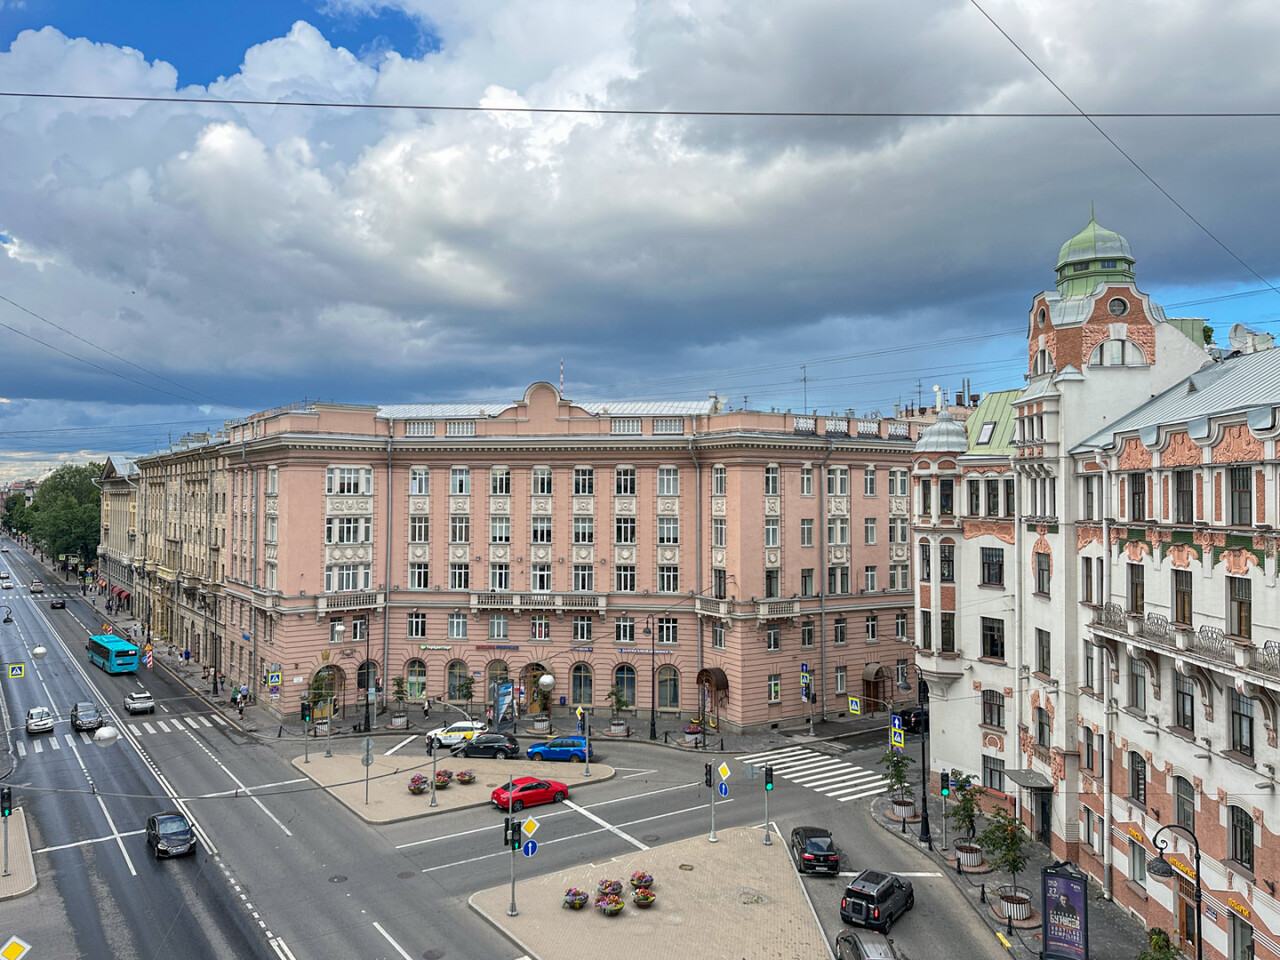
(573, 749)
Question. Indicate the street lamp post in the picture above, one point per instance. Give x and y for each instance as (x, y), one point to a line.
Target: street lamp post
(926, 837)
(653, 678)
(371, 682)
(1160, 867)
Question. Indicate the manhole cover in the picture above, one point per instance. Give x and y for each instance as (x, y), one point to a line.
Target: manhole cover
(750, 897)
(686, 866)
(405, 874)
(651, 838)
(432, 954)
(338, 879)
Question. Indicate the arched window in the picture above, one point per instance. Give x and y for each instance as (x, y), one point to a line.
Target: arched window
(668, 688)
(367, 675)
(457, 673)
(1043, 363)
(1241, 837)
(1117, 353)
(624, 677)
(581, 685)
(496, 674)
(415, 685)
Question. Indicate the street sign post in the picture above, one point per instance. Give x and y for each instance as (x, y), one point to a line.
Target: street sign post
(530, 847)
(723, 788)
(897, 738)
(855, 706)
(16, 671)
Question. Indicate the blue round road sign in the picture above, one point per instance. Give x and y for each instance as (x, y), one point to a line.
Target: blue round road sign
(724, 789)
(530, 847)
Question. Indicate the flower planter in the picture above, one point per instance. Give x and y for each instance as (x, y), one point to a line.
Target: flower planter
(417, 789)
(609, 888)
(613, 910)
(904, 809)
(644, 903)
(466, 778)
(692, 737)
(1016, 907)
(399, 721)
(442, 783)
(575, 902)
(969, 854)
(542, 724)
(618, 727)
(641, 879)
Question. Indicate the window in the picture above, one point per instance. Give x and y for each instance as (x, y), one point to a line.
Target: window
(926, 573)
(899, 576)
(457, 626)
(806, 533)
(1184, 702)
(837, 481)
(498, 626)
(499, 577)
(419, 576)
(1086, 580)
(992, 567)
(993, 773)
(947, 563)
(1044, 728)
(271, 529)
(839, 631)
(668, 482)
(773, 637)
(869, 482)
(719, 583)
(991, 489)
(946, 497)
(499, 529)
(1088, 759)
(416, 679)
(457, 672)
(1182, 596)
(460, 529)
(419, 481)
(1241, 724)
(348, 530)
(1241, 481)
(540, 578)
(975, 497)
(459, 576)
(1137, 496)
(624, 530)
(869, 578)
(668, 688)
(869, 531)
(1086, 828)
(348, 480)
(872, 625)
(624, 678)
(1184, 803)
(542, 481)
(1116, 353)
(719, 481)
(500, 481)
(898, 483)
(947, 632)
(901, 672)
(335, 634)
(624, 481)
(1009, 487)
(539, 529)
(771, 531)
(775, 688)
(806, 634)
(1089, 487)
(540, 627)
(668, 530)
(1183, 497)
(898, 530)
(993, 708)
(1042, 574)
(667, 630)
(580, 683)
(624, 630)
(719, 532)
(584, 577)
(806, 582)
(717, 635)
(1137, 685)
(900, 626)
(1239, 607)
(668, 579)
(582, 628)
(842, 679)
(419, 529)
(624, 578)
(1137, 591)
(926, 496)
(1137, 862)
(926, 630)
(772, 579)
(584, 482)
(584, 530)
(806, 481)
(770, 481)
(347, 576)
(460, 481)
(416, 628)
(837, 580)
(1043, 651)
(1137, 777)
(1241, 837)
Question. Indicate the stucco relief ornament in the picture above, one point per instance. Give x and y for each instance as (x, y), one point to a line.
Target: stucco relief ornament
(459, 552)
(624, 506)
(541, 553)
(993, 741)
(1237, 445)
(1002, 531)
(772, 558)
(582, 553)
(1086, 535)
(717, 557)
(500, 505)
(626, 554)
(1238, 561)
(1181, 555)
(718, 507)
(1135, 550)
(668, 553)
(1182, 451)
(419, 505)
(772, 506)
(541, 505)
(582, 505)
(417, 553)
(1134, 456)
(668, 506)
(839, 505)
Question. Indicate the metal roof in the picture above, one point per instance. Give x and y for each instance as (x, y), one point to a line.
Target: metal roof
(944, 435)
(996, 408)
(598, 408)
(1247, 383)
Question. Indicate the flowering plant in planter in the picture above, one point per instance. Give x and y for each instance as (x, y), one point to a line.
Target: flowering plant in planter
(466, 776)
(574, 899)
(609, 887)
(693, 727)
(610, 904)
(643, 897)
(443, 778)
(418, 784)
(641, 878)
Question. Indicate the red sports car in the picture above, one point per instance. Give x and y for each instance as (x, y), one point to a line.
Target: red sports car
(529, 791)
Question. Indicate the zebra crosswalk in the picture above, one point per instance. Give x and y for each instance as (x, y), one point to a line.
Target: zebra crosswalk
(141, 728)
(830, 776)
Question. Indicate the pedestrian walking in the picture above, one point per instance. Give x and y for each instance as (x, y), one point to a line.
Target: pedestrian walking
(240, 708)
(244, 691)
(426, 709)
(222, 678)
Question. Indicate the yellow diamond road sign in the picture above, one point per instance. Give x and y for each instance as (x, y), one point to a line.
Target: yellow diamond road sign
(723, 771)
(14, 949)
(530, 828)
(15, 673)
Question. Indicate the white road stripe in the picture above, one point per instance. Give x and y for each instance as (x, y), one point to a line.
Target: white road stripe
(219, 721)
(403, 743)
(53, 744)
(790, 768)
(400, 950)
(22, 749)
(818, 782)
(773, 754)
(868, 793)
(162, 726)
(191, 723)
(863, 784)
(608, 826)
(148, 727)
(133, 728)
(205, 721)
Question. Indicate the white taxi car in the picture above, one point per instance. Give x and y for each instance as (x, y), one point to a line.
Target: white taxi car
(455, 733)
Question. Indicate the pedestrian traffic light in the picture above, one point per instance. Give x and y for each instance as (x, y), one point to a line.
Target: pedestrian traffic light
(6, 802)
(946, 785)
(707, 775)
(768, 778)
(506, 832)
(306, 712)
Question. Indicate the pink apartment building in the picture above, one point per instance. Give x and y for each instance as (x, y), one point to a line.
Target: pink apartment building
(694, 556)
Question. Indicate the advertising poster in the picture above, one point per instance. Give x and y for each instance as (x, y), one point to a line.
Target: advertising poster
(1065, 913)
(506, 707)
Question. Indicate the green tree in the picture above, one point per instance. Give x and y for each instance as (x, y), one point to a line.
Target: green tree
(1159, 947)
(1004, 842)
(466, 687)
(896, 765)
(964, 815)
(67, 511)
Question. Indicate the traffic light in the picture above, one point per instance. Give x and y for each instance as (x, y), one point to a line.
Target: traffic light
(511, 832)
(6, 802)
(768, 778)
(306, 712)
(946, 785)
(707, 775)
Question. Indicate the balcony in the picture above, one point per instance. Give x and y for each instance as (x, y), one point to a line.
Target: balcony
(1269, 658)
(777, 609)
(329, 602)
(1155, 627)
(1212, 643)
(558, 603)
(712, 607)
(1111, 616)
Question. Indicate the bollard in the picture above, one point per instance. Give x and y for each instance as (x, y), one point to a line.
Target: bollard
(982, 894)
(280, 731)
(959, 865)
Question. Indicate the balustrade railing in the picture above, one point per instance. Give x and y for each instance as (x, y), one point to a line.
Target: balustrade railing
(1269, 657)
(1212, 642)
(1155, 627)
(1112, 616)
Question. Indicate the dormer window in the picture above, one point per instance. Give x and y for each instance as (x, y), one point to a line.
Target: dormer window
(1117, 353)
(1108, 264)
(1042, 364)
(1080, 267)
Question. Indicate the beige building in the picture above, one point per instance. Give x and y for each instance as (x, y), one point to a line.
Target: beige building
(118, 539)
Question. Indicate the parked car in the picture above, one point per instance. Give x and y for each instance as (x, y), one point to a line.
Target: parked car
(85, 716)
(876, 899)
(37, 586)
(139, 702)
(169, 834)
(58, 604)
(528, 792)
(500, 746)
(814, 850)
(454, 733)
(573, 749)
(914, 719)
(4, 574)
(39, 720)
(7, 584)
(865, 945)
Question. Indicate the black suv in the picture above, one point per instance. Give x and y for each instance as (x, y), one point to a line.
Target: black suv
(500, 746)
(814, 850)
(85, 716)
(875, 899)
(914, 719)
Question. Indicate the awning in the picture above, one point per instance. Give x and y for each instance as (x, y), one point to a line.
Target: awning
(869, 672)
(1030, 779)
(124, 594)
(116, 591)
(713, 677)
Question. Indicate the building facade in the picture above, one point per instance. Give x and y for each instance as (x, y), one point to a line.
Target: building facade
(118, 539)
(1104, 651)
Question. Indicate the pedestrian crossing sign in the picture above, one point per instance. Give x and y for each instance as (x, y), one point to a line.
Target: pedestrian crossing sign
(855, 706)
(16, 671)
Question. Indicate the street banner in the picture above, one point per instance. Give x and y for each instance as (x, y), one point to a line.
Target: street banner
(1065, 932)
(505, 712)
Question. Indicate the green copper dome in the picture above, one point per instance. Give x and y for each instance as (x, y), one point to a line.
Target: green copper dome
(1093, 255)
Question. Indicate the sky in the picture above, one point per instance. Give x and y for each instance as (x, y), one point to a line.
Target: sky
(168, 266)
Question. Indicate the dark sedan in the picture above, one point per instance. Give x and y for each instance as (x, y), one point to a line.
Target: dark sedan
(814, 850)
(85, 716)
(170, 834)
(57, 604)
(500, 746)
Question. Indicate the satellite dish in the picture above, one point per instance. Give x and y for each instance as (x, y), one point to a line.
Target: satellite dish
(1249, 341)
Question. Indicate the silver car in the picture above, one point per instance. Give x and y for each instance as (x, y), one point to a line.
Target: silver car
(39, 720)
(139, 702)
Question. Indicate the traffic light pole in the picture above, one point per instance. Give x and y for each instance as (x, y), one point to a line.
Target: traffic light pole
(512, 843)
(711, 781)
(768, 789)
(6, 801)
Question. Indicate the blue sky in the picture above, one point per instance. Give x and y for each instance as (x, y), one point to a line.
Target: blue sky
(167, 266)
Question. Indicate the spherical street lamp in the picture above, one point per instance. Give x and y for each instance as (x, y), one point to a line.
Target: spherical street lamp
(106, 736)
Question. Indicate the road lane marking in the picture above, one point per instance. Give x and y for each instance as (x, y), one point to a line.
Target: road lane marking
(608, 826)
(162, 726)
(148, 727)
(282, 951)
(191, 723)
(205, 720)
(772, 754)
(81, 843)
(400, 950)
(883, 788)
(403, 743)
(22, 750)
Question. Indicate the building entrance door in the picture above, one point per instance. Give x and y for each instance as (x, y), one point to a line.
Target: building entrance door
(1186, 911)
(1044, 808)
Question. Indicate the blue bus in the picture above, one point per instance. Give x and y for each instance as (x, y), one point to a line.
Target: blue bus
(113, 654)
